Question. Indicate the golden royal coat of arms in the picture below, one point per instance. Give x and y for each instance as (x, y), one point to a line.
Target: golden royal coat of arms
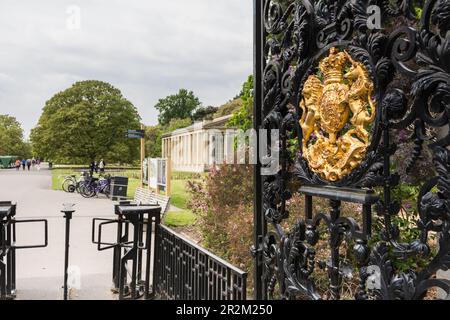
(337, 111)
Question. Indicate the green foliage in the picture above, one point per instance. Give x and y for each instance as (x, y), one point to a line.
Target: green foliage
(86, 122)
(418, 5)
(242, 119)
(153, 141)
(204, 113)
(418, 12)
(153, 135)
(230, 107)
(178, 106)
(176, 123)
(11, 138)
(25, 150)
(407, 195)
(187, 175)
(406, 223)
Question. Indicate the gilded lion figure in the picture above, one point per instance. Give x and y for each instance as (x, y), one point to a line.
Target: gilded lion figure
(312, 91)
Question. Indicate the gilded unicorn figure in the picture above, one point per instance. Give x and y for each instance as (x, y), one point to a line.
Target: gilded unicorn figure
(361, 86)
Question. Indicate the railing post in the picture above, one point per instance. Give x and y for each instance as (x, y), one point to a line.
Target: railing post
(259, 221)
(156, 256)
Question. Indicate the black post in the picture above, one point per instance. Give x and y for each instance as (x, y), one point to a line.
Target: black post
(259, 221)
(68, 211)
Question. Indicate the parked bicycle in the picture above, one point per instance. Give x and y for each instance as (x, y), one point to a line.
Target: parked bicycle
(72, 183)
(93, 186)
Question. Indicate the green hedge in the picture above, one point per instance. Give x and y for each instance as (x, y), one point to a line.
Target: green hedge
(184, 175)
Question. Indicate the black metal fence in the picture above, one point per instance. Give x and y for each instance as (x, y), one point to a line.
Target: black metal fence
(187, 271)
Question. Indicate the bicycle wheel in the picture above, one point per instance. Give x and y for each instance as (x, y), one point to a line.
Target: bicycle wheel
(79, 184)
(72, 188)
(68, 185)
(87, 191)
(107, 190)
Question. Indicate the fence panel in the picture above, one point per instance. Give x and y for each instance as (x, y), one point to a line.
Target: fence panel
(186, 271)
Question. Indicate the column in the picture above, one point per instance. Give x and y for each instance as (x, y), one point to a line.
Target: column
(190, 149)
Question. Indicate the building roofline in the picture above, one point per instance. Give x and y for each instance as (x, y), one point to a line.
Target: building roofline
(217, 123)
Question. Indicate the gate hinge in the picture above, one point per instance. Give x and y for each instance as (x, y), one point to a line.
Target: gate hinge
(257, 252)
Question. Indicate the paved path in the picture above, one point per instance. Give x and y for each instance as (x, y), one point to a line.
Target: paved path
(40, 271)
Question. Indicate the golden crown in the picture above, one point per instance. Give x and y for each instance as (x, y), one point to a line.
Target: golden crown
(331, 66)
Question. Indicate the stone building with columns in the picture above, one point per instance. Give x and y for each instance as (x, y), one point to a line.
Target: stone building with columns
(198, 146)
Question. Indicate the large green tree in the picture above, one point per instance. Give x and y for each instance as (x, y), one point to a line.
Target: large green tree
(86, 122)
(11, 138)
(178, 106)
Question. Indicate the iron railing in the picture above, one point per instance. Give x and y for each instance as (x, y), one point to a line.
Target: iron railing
(187, 271)
(8, 247)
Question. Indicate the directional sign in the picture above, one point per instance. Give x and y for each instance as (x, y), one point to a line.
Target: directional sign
(136, 131)
(135, 134)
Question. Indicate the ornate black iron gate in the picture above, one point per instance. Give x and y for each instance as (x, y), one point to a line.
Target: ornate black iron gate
(350, 85)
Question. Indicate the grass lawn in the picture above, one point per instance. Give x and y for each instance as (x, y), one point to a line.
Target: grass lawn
(179, 218)
(133, 183)
(179, 196)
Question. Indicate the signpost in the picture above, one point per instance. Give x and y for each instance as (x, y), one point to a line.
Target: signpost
(155, 172)
(136, 134)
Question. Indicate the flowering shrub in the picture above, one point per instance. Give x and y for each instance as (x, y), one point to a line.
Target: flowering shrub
(222, 201)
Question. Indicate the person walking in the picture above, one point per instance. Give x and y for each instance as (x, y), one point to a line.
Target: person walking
(29, 164)
(101, 166)
(91, 168)
(18, 162)
(24, 163)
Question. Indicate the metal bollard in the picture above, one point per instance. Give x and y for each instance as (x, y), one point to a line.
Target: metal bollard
(68, 211)
(127, 251)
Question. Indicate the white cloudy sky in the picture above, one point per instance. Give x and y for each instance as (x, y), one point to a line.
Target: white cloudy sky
(146, 48)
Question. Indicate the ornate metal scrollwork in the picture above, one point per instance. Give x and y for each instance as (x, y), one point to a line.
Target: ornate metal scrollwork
(341, 88)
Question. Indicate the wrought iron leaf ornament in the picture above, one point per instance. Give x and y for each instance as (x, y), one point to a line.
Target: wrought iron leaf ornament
(407, 61)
